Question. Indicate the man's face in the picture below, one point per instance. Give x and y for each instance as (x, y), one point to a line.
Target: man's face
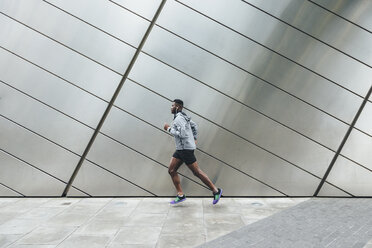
(174, 108)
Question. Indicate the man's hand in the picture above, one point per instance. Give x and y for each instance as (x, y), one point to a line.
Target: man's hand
(166, 126)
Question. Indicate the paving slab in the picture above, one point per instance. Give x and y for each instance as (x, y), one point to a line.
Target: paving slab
(127, 222)
(46, 236)
(319, 222)
(85, 241)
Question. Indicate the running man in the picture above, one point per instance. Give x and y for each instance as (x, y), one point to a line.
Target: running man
(185, 132)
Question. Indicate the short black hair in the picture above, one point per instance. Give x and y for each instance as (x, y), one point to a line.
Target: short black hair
(178, 101)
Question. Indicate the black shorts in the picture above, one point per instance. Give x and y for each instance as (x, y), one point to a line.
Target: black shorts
(186, 156)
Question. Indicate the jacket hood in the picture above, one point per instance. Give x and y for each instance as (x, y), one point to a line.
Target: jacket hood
(187, 118)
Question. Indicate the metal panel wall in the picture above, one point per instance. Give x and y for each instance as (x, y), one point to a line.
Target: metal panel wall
(358, 12)
(238, 156)
(364, 123)
(352, 177)
(57, 74)
(273, 90)
(355, 43)
(26, 179)
(5, 191)
(279, 42)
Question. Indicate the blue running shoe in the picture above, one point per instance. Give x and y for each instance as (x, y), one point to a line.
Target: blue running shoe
(217, 196)
(178, 199)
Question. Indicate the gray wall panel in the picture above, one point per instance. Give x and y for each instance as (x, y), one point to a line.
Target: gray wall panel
(75, 192)
(232, 116)
(328, 190)
(145, 8)
(317, 22)
(351, 177)
(358, 148)
(108, 17)
(358, 12)
(135, 133)
(50, 89)
(245, 87)
(57, 58)
(4, 191)
(124, 128)
(138, 169)
(78, 36)
(364, 122)
(98, 182)
(43, 120)
(36, 150)
(27, 180)
(246, 53)
(213, 140)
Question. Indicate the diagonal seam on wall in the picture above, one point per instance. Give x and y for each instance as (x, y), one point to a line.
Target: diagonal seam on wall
(11, 189)
(343, 141)
(111, 103)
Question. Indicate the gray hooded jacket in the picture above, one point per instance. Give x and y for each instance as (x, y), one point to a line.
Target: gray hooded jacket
(185, 132)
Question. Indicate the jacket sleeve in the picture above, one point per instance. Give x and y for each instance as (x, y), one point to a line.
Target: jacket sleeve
(178, 127)
(194, 129)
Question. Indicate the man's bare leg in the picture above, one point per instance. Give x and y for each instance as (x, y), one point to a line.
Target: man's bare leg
(194, 167)
(174, 165)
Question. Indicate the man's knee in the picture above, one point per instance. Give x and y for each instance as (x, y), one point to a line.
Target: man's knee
(172, 171)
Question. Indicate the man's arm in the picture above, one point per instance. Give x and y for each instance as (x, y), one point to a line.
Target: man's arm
(194, 129)
(178, 127)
